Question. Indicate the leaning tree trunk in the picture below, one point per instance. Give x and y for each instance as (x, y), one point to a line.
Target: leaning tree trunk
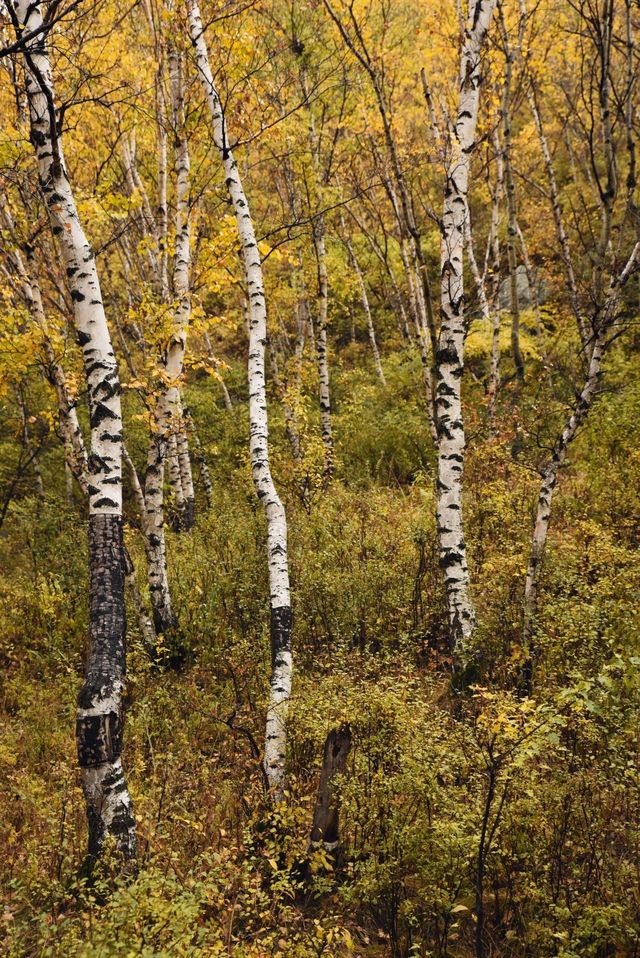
(602, 325)
(100, 709)
(543, 509)
(68, 424)
(30, 450)
(281, 659)
(450, 354)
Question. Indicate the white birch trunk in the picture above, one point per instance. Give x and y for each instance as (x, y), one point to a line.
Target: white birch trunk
(549, 479)
(167, 410)
(602, 324)
(164, 618)
(450, 354)
(100, 708)
(367, 311)
(200, 458)
(512, 210)
(186, 478)
(281, 659)
(493, 257)
(321, 346)
(175, 484)
(561, 232)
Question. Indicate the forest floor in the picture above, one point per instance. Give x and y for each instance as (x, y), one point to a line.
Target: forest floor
(543, 790)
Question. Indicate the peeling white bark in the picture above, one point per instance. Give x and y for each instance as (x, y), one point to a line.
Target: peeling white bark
(281, 659)
(510, 189)
(450, 353)
(493, 258)
(549, 472)
(321, 345)
(100, 709)
(167, 413)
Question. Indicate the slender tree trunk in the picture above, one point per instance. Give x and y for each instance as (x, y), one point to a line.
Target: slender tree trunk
(450, 355)
(397, 295)
(325, 830)
(164, 618)
(549, 479)
(493, 257)
(186, 478)
(290, 420)
(365, 305)
(281, 659)
(32, 454)
(200, 458)
(561, 233)
(167, 411)
(68, 483)
(533, 287)
(399, 196)
(68, 424)
(181, 264)
(319, 246)
(321, 346)
(100, 708)
(175, 485)
(228, 404)
(606, 317)
(512, 206)
(145, 624)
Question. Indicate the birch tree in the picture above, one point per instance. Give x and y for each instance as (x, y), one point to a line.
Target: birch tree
(100, 715)
(510, 185)
(278, 561)
(364, 298)
(597, 33)
(168, 440)
(450, 354)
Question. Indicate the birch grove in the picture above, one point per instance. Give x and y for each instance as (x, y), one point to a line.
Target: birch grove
(336, 303)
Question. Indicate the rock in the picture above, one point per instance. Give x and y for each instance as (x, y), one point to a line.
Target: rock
(525, 298)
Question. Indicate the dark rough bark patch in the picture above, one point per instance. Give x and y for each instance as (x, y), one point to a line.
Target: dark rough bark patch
(99, 739)
(325, 830)
(189, 513)
(165, 622)
(99, 414)
(281, 623)
(327, 811)
(99, 736)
